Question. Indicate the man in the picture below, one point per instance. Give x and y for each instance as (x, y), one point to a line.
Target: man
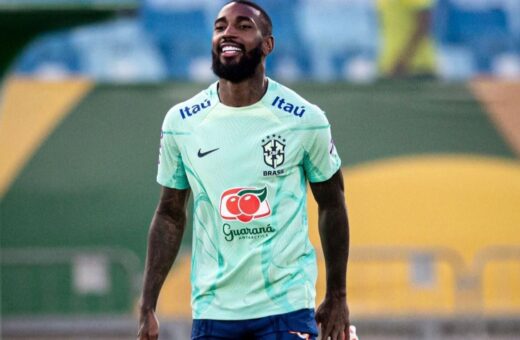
(245, 148)
(408, 48)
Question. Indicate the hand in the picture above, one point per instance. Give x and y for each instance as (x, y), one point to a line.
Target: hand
(332, 317)
(148, 326)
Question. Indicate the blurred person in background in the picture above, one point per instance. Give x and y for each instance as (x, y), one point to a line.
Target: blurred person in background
(407, 47)
(246, 147)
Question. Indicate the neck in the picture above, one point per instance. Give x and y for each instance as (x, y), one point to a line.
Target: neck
(244, 93)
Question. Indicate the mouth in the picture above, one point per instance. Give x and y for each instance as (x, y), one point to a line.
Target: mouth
(229, 50)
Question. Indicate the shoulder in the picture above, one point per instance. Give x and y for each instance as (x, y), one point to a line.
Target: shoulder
(288, 103)
(193, 109)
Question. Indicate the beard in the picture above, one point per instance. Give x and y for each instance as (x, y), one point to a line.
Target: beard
(243, 69)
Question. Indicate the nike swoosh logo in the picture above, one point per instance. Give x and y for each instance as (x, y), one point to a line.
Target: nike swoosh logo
(202, 154)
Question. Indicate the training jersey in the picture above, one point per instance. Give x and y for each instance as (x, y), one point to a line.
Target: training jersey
(398, 23)
(247, 168)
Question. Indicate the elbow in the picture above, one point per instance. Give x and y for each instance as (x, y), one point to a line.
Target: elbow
(174, 218)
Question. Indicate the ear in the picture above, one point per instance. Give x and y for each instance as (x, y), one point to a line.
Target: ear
(268, 45)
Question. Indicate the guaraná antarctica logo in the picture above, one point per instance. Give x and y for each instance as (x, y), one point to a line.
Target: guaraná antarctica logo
(244, 205)
(246, 232)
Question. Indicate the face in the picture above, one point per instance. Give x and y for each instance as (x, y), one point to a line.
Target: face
(238, 46)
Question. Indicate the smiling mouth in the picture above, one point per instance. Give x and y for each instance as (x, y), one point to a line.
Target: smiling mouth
(228, 51)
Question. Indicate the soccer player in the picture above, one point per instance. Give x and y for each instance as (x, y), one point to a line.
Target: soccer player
(245, 148)
(408, 49)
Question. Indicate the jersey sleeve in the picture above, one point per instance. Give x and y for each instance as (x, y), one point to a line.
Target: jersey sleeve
(171, 172)
(420, 4)
(321, 159)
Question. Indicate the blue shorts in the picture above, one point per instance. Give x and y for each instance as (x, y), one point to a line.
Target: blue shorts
(290, 326)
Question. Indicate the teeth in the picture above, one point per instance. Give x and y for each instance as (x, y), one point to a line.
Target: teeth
(230, 48)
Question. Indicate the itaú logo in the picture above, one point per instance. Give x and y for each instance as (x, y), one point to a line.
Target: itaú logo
(244, 204)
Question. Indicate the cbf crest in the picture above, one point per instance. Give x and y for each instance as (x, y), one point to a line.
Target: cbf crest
(274, 150)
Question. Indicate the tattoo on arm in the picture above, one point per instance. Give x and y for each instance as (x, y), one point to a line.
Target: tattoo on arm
(164, 240)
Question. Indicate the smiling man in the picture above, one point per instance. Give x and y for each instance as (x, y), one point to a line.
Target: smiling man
(246, 148)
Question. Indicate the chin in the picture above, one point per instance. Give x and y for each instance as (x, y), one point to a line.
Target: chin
(230, 61)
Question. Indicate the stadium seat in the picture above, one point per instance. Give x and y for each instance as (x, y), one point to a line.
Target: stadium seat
(336, 32)
(182, 35)
(484, 30)
(49, 56)
(329, 40)
(290, 57)
(117, 50)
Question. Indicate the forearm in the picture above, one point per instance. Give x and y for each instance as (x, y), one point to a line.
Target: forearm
(422, 30)
(333, 315)
(164, 240)
(335, 241)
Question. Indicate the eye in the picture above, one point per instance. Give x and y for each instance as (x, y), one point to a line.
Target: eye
(219, 28)
(245, 26)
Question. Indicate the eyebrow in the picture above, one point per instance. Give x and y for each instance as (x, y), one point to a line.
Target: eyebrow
(239, 18)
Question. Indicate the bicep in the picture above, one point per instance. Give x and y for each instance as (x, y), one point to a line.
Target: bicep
(321, 159)
(173, 202)
(329, 193)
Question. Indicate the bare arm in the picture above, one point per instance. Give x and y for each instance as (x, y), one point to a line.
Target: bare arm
(423, 19)
(333, 313)
(164, 240)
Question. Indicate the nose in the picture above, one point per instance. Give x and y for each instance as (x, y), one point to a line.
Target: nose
(230, 31)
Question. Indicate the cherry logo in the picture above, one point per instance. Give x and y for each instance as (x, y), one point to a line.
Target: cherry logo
(244, 204)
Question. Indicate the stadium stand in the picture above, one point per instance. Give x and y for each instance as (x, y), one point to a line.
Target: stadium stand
(483, 31)
(50, 54)
(474, 37)
(333, 56)
(181, 34)
(290, 59)
(119, 50)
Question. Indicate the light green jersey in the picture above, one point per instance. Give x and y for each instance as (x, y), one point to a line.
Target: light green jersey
(247, 168)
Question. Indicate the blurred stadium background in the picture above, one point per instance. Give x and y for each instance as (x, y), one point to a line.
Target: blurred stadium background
(431, 166)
